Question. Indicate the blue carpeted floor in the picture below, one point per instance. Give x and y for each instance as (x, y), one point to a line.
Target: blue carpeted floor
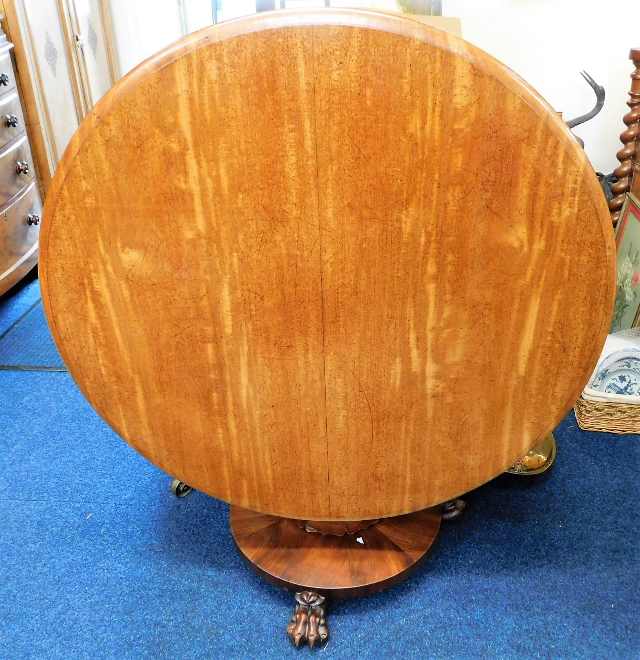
(99, 560)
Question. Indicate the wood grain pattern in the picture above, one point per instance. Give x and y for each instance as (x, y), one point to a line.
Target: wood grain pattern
(13, 181)
(18, 238)
(19, 196)
(317, 264)
(28, 88)
(11, 118)
(344, 565)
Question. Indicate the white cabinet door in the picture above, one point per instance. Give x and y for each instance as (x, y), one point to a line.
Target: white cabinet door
(94, 59)
(50, 66)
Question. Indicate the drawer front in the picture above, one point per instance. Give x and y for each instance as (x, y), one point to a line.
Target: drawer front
(16, 169)
(11, 118)
(7, 77)
(19, 228)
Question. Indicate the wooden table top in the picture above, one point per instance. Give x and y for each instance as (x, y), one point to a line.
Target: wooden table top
(327, 264)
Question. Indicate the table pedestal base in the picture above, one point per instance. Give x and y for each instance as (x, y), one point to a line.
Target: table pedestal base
(338, 560)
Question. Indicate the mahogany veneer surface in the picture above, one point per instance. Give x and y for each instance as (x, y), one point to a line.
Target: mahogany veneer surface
(348, 565)
(327, 264)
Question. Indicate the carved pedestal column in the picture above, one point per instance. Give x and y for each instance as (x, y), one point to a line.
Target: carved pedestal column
(318, 560)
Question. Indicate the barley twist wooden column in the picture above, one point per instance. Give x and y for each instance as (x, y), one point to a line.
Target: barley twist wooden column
(627, 155)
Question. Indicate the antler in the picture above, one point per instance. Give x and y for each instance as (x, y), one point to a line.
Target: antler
(600, 94)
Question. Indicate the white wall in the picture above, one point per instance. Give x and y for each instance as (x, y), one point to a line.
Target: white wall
(143, 27)
(548, 42)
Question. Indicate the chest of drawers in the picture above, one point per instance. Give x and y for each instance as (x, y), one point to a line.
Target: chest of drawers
(20, 204)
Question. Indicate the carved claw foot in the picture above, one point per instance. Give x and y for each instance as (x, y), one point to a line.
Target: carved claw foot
(308, 623)
(453, 509)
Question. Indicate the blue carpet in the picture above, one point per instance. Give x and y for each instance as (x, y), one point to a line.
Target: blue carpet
(99, 560)
(18, 301)
(28, 344)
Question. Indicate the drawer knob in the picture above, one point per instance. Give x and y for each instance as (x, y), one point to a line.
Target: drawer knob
(33, 219)
(22, 167)
(11, 121)
(4, 79)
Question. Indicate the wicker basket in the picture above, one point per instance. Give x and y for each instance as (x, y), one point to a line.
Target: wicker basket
(608, 416)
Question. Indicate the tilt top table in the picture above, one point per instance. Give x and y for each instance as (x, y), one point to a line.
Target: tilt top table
(335, 268)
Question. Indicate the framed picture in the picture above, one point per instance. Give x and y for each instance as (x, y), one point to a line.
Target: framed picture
(626, 312)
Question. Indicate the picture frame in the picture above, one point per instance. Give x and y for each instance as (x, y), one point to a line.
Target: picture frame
(626, 311)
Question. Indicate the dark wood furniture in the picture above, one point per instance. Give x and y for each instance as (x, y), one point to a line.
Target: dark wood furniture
(20, 205)
(312, 263)
(627, 171)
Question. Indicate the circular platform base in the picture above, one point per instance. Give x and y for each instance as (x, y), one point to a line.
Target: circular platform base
(340, 566)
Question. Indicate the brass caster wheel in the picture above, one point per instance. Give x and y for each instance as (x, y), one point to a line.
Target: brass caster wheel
(308, 623)
(453, 509)
(179, 488)
(537, 460)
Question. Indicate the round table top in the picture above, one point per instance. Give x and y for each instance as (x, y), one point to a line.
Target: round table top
(327, 264)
